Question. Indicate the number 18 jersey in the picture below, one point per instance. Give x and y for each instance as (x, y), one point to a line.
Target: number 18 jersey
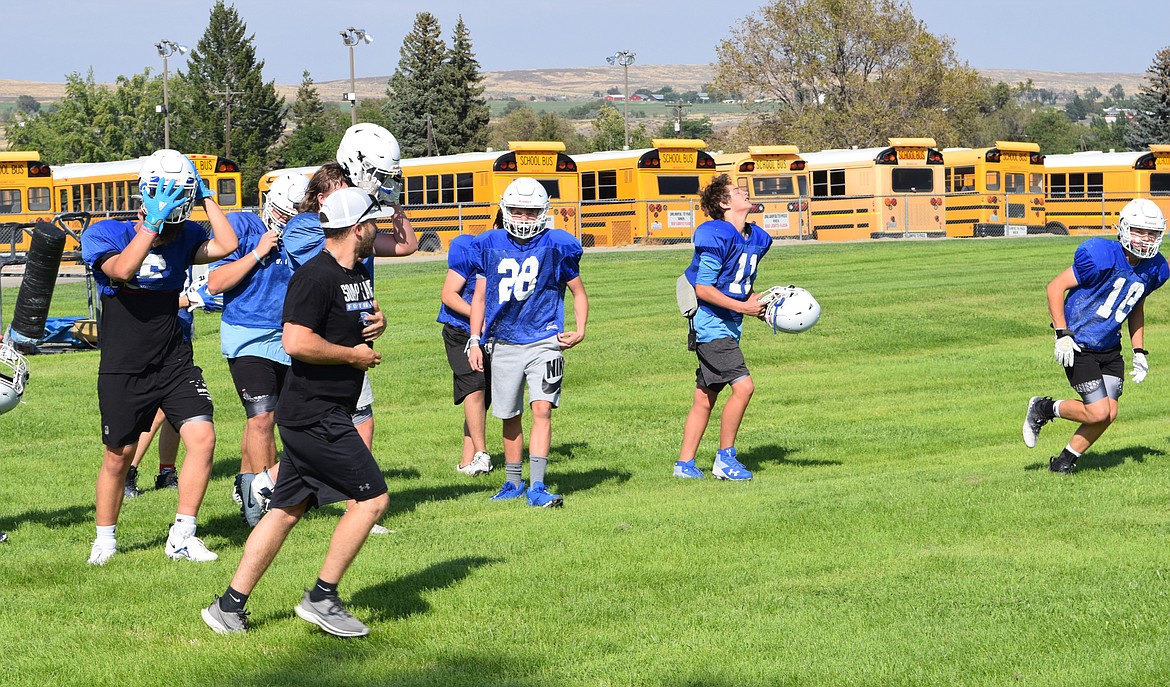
(1108, 289)
(525, 299)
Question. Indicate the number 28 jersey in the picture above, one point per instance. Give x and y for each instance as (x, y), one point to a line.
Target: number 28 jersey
(1108, 289)
(525, 298)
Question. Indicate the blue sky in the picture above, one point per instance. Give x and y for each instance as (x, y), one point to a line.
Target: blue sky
(293, 35)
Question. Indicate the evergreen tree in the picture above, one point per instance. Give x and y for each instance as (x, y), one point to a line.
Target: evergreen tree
(416, 89)
(463, 126)
(316, 134)
(1151, 124)
(225, 61)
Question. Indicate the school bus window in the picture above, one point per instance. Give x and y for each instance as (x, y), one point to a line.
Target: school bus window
(77, 202)
(96, 193)
(607, 185)
(1013, 182)
(464, 187)
(588, 186)
(912, 180)
(1035, 183)
(109, 189)
(120, 197)
(432, 192)
(40, 199)
(447, 188)
(63, 200)
(225, 190)
(1076, 186)
(1057, 188)
(10, 200)
(993, 181)
(678, 186)
(1095, 184)
(828, 183)
(772, 186)
(414, 190)
(802, 184)
(552, 187)
(963, 180)
(1160, 184)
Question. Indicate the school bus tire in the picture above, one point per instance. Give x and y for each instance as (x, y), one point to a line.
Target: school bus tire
(429, 242)
(1056, 228)
(588, 240)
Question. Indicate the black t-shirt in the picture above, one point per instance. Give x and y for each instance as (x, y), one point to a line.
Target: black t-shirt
(139, 330)
(330, 300)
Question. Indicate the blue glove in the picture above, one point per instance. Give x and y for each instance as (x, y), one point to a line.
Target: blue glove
(202, 190)
(167, 197)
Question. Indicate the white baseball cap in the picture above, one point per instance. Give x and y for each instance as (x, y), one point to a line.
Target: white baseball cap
(348, 206)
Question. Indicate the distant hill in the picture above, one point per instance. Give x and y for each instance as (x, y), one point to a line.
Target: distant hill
(581, 83)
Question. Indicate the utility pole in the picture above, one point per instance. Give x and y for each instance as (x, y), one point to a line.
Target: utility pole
(678, 113)
(430, 138)
(227, 94)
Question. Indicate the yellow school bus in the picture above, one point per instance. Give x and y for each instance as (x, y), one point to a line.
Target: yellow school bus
(630, 196)
(777, 184)
(995, 191)
(26, 195)
(451, 194)
(889, 192)
(1084, 192)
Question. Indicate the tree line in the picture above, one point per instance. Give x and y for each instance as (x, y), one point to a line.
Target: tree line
(815, 73)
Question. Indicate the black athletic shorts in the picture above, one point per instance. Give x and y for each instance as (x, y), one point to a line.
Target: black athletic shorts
(465, 379)
(325, 462)
(720, 363)
(1087, 375)
(258, 382)
(128, 402)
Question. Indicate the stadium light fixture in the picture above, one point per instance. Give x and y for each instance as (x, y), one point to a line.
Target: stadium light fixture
(351, 37)
(625, 58)
(166, 48)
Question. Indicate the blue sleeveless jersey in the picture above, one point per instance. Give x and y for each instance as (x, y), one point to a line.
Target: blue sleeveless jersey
(1108, 288)
(462, 261)
(165, 267)
(738, 257)
(256, 302)
(525, 300)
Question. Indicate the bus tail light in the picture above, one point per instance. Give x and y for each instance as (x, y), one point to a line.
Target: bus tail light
(224, 165)
(933, 157)
(39, 169)
(992, 199)
(1036, 159)
(796, 165)
(747, 167)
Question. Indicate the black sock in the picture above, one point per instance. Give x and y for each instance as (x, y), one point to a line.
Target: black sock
(322, 589)
(232, 601)
(1044, 408)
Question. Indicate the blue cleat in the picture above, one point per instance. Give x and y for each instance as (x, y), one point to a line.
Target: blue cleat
(687, 470)
(538, 496)
(728, 467)
(509, 491)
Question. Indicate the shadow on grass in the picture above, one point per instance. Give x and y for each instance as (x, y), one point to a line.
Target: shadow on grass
(403, 597)
(51, 518)
(321, 659)
(567, 449)
(760, 456)
(229, 467)
(1110, 459)
(572, 482)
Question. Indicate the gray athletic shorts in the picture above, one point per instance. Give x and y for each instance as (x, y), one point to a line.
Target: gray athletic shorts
(541, 365)
(364, 412)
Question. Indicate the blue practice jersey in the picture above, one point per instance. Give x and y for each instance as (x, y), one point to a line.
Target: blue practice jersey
(461, 260)
(165, 267)
(258, 299)
(1108, 289)
(303, 238)
(737, 255)
(525, 300)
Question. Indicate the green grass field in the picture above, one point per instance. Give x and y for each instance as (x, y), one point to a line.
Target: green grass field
(897, 531)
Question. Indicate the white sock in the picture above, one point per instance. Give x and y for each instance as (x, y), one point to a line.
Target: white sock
(1056, 408)
(105, 536)
(184, 525)
(1069, 448)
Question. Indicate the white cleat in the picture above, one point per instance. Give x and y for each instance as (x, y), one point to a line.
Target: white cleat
(262, 487)
(99, 555)
(191, 548)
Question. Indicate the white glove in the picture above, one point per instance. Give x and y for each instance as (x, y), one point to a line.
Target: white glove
(1141, 368)
(194, 298)
(1065, 347)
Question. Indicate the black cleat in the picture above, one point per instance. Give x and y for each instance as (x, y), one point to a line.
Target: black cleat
(1062, 464)
(132, 489)
(168, 478)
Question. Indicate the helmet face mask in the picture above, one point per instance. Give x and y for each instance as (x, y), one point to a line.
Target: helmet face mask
(168, 165)
(13, 377)
(528, 194)
(371, 157)
(1140, 228)
(284, 195)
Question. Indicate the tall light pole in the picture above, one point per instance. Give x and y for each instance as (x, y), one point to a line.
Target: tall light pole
(625, 58)
(166, 48)
(351, 37)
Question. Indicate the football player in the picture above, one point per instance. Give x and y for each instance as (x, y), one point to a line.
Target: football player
(1107, 284)
(728, 249)
(140, 268)
(519, 311)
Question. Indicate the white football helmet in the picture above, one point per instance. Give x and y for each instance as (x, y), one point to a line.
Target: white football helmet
(791, 309)
(1141, 213)
(371, 158)
(13, 376)
(524, 192)
(167, 165)
(284, 195)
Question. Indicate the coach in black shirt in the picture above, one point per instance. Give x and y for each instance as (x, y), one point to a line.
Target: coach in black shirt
(330, 302)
